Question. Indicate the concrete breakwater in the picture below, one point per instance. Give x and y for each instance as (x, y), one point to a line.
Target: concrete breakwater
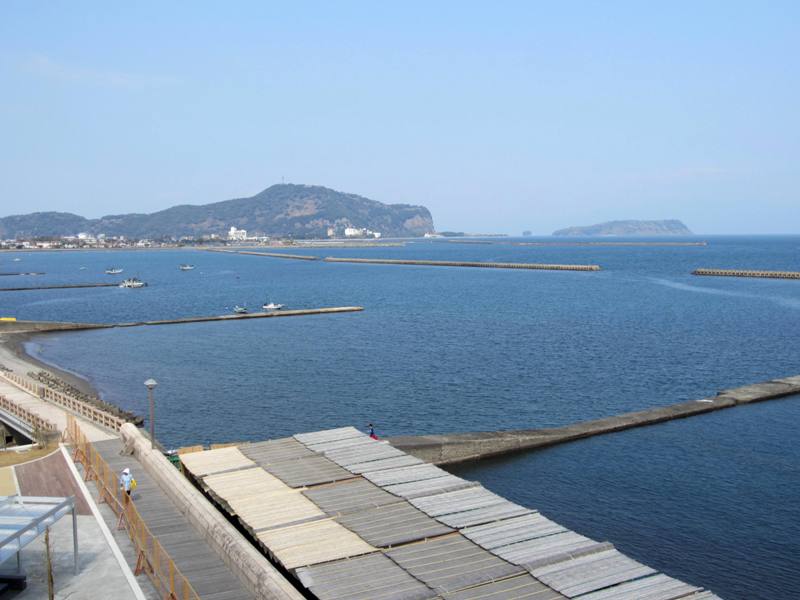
(238, 317)
(746, 273)
(64, 286)
(611, 244)
(448, 263)
(427, 263)
(457, 447)
(270, 254)
(45, 326)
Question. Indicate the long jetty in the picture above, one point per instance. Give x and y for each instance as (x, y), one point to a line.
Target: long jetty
(747, 273)
(65, 286)
(28, 273)
(46, 326)
(426, 263)
(270, 254)
(450, 263)
(458, 447)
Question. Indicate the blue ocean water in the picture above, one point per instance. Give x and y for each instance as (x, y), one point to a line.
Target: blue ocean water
(712, 499)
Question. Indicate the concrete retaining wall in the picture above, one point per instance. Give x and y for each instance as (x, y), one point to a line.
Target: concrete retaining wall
(253, 569)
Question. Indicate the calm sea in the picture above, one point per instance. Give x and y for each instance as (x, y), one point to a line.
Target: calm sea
(712, 499)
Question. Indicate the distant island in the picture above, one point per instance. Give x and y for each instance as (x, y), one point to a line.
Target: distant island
(653, 228)
(283, 210)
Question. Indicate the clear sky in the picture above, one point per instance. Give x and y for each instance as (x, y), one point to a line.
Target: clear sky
(498, 116)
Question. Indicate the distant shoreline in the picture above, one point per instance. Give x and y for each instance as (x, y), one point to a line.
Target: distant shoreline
(14, 355)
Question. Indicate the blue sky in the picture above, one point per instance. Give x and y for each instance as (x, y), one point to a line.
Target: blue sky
(497, 116)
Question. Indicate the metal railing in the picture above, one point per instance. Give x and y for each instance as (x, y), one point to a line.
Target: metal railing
(170, 583)
(79, 407)
(35, 421)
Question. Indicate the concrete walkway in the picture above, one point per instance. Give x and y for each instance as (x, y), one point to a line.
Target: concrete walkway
(210, 577)
(100, 574)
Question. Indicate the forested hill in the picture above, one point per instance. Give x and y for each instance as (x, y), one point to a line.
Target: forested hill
(300, 211)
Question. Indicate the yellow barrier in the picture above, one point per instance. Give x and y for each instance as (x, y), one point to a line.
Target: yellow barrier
(170, 583)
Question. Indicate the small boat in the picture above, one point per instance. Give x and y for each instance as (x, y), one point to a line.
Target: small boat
(272, 306)
(82, 269)
(113, 271)
(186, 267)
(240, 310)
(17, 259)
(133, 282)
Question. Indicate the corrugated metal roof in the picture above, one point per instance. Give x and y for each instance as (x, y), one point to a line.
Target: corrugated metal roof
(266, 453)
(349, 496)
(392, 524)
(312, 470)
(255, 481)
(405, 474)
(451, 563)
(220, 460)
(275, 510)
(328, 435)
(260, 500)
(312, 543)
(367, 451)
(560, 545)
(591, 572)
(511, 531)
(656, 587)
(520, 587)
(341, 445)
(331, 532)
(429, 487)
(370, 577)
(384, 463)
(471, 506)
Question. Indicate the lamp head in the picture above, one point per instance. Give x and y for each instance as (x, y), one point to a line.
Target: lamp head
(150, 383)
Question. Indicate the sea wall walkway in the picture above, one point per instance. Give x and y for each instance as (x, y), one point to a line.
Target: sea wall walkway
(173, 539)
(456, 447)
(450, 263)
(46, 326)
(424, 263)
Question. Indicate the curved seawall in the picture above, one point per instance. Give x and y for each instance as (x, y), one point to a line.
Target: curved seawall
(457, 447)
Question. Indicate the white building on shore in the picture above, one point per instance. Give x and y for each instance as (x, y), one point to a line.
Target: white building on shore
(237, 235)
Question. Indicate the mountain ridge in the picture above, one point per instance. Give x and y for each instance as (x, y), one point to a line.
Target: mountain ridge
(285, 210)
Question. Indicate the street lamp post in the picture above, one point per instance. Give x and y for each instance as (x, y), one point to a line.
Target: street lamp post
(151, 384)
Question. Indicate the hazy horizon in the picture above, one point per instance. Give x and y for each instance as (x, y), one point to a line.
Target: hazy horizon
(498, 119)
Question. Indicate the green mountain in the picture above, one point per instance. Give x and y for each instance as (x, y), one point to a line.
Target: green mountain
(652, 228)
(299, 211)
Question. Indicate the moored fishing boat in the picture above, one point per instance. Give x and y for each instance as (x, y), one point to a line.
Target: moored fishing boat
(133, 282)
